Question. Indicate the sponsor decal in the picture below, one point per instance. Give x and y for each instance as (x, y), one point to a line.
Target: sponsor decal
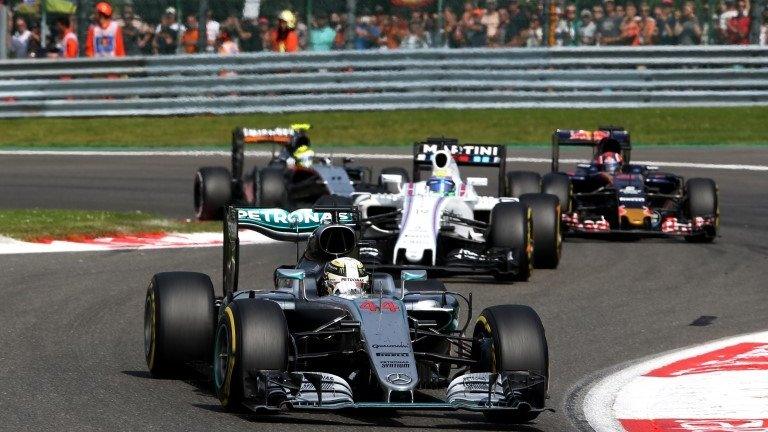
(631, 199)
(400, 345)
(386, 305)
(301, 220)
(395, 364)
(399, 378)
(393, 354)
(463, 153)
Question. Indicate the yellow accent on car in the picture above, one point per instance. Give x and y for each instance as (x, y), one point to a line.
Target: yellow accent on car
(301, 127)
(224, 397)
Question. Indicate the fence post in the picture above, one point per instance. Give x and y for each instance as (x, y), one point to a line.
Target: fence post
(758, 6)
(3, 31)
(202, 23)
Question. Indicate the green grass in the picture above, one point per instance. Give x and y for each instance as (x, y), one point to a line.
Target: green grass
(73, 224)
(679, 126)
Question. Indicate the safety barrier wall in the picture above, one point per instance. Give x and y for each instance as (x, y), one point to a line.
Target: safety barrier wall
(378, 80)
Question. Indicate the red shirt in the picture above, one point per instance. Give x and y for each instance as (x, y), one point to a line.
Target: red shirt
(738, 30)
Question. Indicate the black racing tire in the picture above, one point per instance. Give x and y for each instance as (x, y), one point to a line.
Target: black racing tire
(269, 187)
(547, 238)
(559, 185)
(702, 200)
(213, 191)
(522, 182)
(510, 227)
(261, 343)
(179, 313)
(512, 338)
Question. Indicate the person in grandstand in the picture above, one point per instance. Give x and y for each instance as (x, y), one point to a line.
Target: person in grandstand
(284, 37)
(105, 38)
(68, 47)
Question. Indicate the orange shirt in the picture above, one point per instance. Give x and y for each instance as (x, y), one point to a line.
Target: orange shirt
(289, 44)
(69, 47)
(105, 41)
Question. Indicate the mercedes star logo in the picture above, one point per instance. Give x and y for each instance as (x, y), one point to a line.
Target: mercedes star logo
(399, 378)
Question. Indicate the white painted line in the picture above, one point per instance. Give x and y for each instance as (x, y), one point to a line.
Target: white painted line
(721, 388)
(167, 241)
(363, 156)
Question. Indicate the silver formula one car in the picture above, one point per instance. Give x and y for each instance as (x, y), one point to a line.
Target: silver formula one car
(445, 225)
(297, 345)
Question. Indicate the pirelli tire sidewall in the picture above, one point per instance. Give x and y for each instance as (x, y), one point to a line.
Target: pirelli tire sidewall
(252, 335)
(547, 237)
(512, 338)
(179, 316)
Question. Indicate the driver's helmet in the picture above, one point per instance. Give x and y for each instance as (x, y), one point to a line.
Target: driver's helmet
(345, 277)
(304, 156)
(441, 185)
(609, 162)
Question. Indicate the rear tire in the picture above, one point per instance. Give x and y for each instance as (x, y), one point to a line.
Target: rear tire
(547, 240)
(213, 191)
(523, 182)
(559, 185)
(702, 200)
(269, 188)
(178, 322)
(510, 227)
(252, 335)
(512, 338)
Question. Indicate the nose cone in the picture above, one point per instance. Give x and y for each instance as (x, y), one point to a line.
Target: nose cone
(414, 256)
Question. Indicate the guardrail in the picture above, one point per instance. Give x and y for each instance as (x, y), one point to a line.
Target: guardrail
(371, 80)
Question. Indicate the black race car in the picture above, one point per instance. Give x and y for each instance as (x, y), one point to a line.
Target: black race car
(287, 347)
(610, 195)
(293, 178)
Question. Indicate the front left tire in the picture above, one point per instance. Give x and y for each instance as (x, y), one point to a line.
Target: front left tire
(252, 335)
(212, 191)
(512, 338)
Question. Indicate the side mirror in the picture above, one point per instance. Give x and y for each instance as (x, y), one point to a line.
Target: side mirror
(392, 178)
(413, 275)
(408, 276)
(392, 182)
(294, 275)
(477, 181)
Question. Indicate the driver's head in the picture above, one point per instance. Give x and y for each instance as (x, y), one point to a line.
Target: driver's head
(346, 277)
(304, 156)
(441, 185)
(609, 162)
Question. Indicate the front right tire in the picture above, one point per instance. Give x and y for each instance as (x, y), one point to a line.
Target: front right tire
(178, 322)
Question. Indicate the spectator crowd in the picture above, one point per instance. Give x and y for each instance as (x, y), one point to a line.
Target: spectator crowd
(477, 23)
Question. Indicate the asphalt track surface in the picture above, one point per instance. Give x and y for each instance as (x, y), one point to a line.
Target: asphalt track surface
(71, 323)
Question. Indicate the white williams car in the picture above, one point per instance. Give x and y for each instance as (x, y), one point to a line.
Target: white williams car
(444, 225)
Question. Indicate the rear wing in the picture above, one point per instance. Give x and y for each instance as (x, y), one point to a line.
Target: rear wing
(477, 155)
(277, 224)
(587, 138)
(241, 136)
